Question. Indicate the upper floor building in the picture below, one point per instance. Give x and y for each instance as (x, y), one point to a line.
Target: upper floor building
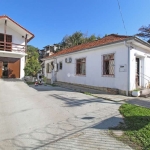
(13, 37)
(13, 48)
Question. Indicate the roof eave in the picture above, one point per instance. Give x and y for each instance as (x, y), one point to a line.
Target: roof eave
(141, 41)
(6, 17)
(127, 39)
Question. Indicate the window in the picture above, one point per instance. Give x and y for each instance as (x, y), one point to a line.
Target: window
(81, 66)
(108, 65)
(60, 65)
(8, 40)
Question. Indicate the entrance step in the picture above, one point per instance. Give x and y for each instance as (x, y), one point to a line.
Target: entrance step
(145, 93)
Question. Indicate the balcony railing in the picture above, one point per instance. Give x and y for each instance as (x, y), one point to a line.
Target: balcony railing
(7, 46)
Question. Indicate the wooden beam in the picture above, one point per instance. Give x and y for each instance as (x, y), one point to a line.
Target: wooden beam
(26, 43)
(5, 26)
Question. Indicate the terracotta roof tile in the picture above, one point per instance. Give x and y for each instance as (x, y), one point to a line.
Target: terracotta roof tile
(106, 40)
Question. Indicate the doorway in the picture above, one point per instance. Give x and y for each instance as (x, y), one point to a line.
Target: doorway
(1, 69)
(137, 71)
(9, 67)
(5, 70)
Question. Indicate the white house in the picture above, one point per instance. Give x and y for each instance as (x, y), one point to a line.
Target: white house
(13, 48)
(113, 62)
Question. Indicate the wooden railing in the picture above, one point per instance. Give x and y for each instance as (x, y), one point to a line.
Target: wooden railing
(7, 46)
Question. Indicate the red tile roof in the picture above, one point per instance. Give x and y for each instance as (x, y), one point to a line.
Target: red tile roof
(106, 40)
(1, 17)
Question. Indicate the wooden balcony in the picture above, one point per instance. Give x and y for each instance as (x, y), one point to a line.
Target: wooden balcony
(12, 47)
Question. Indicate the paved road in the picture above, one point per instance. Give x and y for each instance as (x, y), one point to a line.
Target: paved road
(53, 118)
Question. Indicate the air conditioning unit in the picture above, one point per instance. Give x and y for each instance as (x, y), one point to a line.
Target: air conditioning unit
(68, 60)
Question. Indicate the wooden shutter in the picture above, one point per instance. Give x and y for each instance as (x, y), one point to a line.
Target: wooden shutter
(1, 67)
(9, 42)
(9, 38)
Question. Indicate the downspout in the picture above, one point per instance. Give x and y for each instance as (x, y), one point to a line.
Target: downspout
(128, 87)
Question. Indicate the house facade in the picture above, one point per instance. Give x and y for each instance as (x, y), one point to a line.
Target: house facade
(13, 48)
(113, 62)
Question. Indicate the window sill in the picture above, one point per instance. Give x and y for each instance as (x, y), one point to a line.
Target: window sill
(113, 76)
(80, 75)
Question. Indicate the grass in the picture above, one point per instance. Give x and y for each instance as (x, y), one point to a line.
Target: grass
(87, 93)
(137, 125)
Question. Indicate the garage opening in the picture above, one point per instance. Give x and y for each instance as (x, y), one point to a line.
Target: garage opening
(9, 67)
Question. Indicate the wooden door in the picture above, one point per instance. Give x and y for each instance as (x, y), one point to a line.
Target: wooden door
(14, 68)
(1, 67)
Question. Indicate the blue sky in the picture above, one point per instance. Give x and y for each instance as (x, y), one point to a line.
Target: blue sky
(51, 20)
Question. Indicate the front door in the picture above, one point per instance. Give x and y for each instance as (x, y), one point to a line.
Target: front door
(137, 71)
(1, 69)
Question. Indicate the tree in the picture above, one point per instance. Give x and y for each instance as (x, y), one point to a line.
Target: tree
(32, 64)
(76, 38)
(145, 32)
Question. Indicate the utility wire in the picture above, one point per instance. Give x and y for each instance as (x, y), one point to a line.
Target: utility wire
(122, 17)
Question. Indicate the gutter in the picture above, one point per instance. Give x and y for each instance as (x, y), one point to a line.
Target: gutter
(141, 41)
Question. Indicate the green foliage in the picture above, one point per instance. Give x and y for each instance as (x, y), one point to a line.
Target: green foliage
(137, 120)
(32, 64)
(87, 93)
(144, 32)
(76, 38)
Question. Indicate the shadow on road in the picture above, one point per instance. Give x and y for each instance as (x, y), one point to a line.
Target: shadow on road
(73, 101)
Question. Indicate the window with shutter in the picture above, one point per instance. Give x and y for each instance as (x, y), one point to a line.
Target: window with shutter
(108, 65)
(81, 66)
(9, 42)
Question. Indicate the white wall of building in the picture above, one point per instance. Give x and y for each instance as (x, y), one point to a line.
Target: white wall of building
(93, 75)
(16, 37)
(144, 67)
(22, 65)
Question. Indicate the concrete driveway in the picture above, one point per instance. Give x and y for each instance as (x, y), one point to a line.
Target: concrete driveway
(53, 118)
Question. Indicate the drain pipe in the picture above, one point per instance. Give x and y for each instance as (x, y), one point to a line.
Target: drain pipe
(128, 87)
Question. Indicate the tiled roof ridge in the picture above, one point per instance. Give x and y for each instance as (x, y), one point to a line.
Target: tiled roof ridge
(105, 40)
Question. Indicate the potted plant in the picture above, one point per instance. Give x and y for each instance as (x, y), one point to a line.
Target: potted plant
(136, 92)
